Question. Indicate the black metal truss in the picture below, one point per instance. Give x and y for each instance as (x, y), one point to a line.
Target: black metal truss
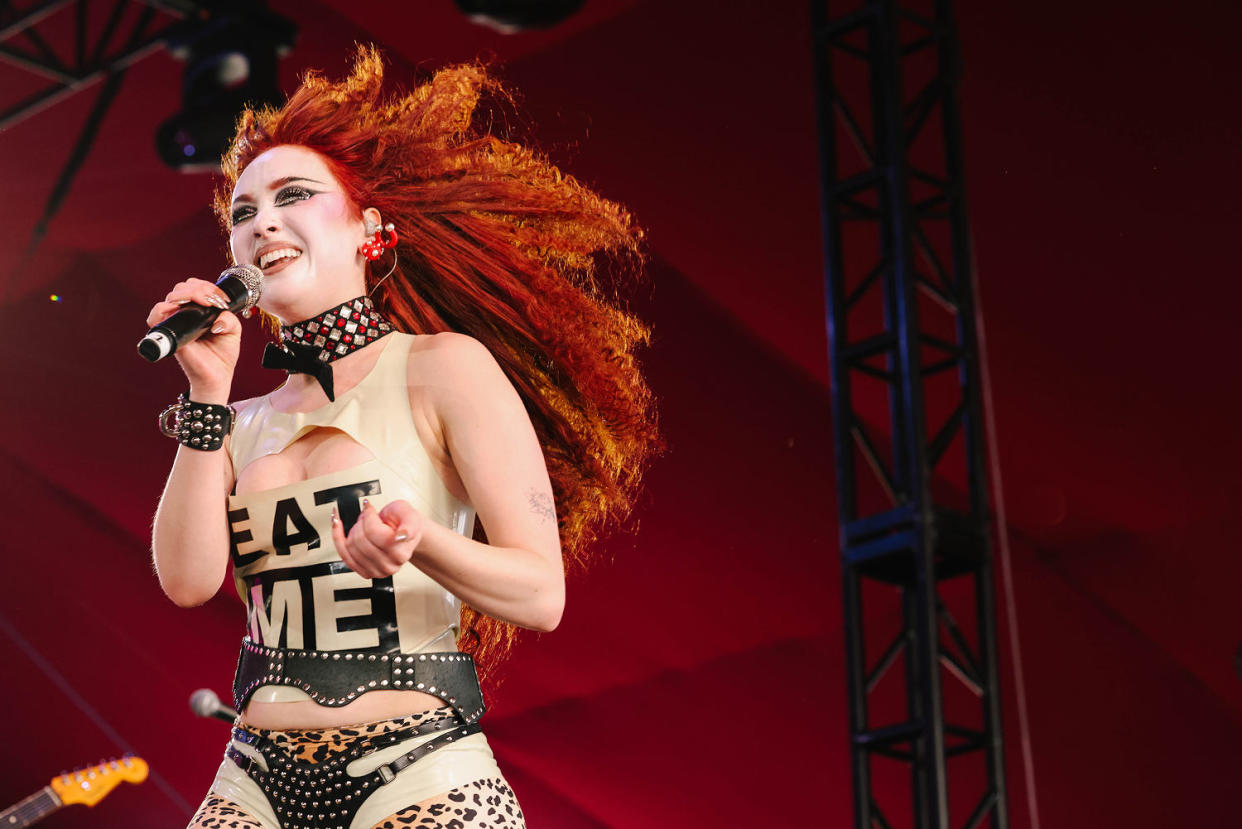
(90, 63)
(881, 297)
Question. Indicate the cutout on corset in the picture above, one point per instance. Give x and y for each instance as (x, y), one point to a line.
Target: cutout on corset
(319, 450)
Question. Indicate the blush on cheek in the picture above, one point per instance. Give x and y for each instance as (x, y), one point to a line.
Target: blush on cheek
(338, 206)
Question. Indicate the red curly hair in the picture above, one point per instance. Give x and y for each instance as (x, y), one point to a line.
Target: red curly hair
(496, 243)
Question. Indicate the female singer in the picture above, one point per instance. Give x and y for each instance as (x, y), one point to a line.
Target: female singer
(449, 354)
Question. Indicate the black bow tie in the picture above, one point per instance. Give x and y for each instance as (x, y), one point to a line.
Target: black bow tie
(302, 358)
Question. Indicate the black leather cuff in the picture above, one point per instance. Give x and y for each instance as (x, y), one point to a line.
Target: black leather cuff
(197, 425)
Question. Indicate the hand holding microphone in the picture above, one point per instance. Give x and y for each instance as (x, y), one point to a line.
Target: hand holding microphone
(239, 288)
(191, 309)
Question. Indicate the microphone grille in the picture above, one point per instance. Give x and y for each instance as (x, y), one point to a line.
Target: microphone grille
(251, 277)
(204, 702)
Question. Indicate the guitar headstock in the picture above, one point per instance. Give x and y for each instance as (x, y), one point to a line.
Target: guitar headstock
(90, 785)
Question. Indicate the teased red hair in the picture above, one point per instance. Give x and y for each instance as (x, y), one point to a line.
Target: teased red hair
(498, 244)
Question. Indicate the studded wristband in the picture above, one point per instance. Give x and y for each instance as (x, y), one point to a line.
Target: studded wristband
(197, 425)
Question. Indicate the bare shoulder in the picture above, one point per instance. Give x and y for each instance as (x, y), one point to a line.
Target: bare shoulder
(449, 345)
(453, 358)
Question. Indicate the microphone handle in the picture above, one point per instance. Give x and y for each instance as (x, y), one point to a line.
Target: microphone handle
(185, 326)
(224, 714)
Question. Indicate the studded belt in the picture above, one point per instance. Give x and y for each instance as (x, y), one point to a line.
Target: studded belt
(336, 678)
(324, 795)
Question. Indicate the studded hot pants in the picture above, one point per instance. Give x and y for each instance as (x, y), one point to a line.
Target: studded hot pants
(460, 777)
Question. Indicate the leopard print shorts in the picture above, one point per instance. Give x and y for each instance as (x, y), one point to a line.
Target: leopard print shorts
(483, 803)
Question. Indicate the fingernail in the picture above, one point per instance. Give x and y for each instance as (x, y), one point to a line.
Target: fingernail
(181, 301)
(335, 519)
(366, 502)
(401, 536)
(217, 328)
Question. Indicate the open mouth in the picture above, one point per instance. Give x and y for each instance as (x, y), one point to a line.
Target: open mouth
(274, 259)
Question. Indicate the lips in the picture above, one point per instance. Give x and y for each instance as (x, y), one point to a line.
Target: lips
(279, 265)
(271, 255)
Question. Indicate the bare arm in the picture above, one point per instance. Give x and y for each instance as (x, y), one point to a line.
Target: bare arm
(518, 577)
(190, 534)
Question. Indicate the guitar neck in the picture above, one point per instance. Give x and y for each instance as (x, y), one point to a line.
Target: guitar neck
(34, 808)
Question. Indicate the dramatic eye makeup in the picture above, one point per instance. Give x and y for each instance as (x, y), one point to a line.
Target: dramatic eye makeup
(286, 195)
(289, 195)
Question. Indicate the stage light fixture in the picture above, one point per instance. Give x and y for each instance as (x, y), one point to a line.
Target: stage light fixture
(231, 57)
(511, 16)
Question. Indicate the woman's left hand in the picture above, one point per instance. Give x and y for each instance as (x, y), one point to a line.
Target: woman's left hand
(380, 540)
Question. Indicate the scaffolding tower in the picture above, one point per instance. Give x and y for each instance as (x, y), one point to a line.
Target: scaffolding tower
(909, 431)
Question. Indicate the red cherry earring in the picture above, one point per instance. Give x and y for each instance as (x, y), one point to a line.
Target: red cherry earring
(374, 247)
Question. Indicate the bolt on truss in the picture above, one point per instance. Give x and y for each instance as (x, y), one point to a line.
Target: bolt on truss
(909, 431)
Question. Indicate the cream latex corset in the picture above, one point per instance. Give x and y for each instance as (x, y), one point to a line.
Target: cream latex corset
(298, 592)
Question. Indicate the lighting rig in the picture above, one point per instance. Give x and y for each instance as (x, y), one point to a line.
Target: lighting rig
(230, 49)
(511, 16)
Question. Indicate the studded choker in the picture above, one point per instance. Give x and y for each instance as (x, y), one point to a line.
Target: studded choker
(310, 346)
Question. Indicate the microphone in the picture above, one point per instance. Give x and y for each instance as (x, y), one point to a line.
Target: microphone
(205, 703)
(242, 284)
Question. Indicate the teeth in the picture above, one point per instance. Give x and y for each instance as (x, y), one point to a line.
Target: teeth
(280, 253)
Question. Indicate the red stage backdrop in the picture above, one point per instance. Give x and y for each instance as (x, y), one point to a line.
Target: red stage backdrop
(697, 677)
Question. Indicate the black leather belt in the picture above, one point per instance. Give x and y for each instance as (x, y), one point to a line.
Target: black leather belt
(337, 678)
